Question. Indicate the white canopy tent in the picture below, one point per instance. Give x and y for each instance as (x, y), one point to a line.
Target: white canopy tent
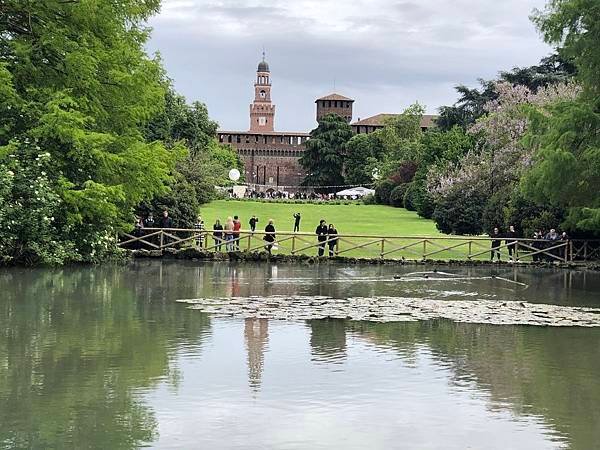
(356, 191)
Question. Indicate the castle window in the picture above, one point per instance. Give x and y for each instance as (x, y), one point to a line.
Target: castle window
(239, 139)
(262, 121)
(263, 94)
(247, 139)
(229, 138)
(256, 138)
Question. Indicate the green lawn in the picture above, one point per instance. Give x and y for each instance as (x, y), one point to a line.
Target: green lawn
(348, 219)
(352, 219)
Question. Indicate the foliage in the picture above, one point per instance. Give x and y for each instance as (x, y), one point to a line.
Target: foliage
(401, 140)
(323, 158)
(181, 203)
(418, 199)
(471, 104)
(180, 123)
(500, 159)
(574, 26)
(529, 217)
(397, 195)
(566, 140)
(383, 191)
(460, 211)
(567, 156)
(361, 157)
(76, 86)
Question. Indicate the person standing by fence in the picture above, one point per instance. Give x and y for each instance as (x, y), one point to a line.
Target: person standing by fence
(218, 235)
(237, 226)
(333, 239)
(199, 225)
(496, 242)
(509, 241)
(229, 235)
(321, 233)
(269, 236)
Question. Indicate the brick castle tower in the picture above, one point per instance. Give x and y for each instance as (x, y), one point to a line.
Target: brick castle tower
(262, 111)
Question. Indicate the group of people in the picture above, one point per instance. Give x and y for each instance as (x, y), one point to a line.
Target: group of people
(542, 241)
(149, 222)
(228, 235)
(276, 195)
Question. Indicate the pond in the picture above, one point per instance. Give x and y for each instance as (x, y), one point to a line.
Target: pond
(105, 357)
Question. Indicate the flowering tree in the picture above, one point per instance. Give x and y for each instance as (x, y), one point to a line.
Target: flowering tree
(496, 164)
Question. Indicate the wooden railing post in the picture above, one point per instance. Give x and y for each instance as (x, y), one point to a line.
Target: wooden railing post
(293, 244)
(249, 242)
(570, 251)
(162, 239)
(382, 247)
(424, 248)
(516, 251)
(470, 249)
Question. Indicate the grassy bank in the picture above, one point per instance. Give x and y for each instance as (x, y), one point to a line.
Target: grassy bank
(348, 219)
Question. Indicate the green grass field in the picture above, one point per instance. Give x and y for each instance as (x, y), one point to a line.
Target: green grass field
(351, 219)
(348, 219)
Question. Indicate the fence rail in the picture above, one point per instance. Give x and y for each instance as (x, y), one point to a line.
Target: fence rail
(401, 247)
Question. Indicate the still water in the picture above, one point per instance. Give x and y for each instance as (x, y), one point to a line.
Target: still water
(104, 357)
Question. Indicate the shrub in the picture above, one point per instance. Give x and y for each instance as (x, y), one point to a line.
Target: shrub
(460, 211)
(397, 195)
(368, 199)
(418, 199)
(404, 173)
(383, 191)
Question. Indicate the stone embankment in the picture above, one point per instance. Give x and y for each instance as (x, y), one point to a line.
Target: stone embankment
(199, 255)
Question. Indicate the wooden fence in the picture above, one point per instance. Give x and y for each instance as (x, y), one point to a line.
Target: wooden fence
(389, 247)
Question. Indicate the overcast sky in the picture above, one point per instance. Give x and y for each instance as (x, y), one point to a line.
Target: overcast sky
(386, 54)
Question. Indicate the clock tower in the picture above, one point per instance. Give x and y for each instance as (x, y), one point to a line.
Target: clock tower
(262, 111)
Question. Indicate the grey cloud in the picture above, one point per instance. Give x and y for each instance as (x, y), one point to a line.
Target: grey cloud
(385, 69)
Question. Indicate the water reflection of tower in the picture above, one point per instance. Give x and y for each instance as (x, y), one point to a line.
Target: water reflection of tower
(256, 335)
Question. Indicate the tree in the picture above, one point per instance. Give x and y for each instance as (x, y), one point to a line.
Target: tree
(361, 158)
(78, 86)
(181, 123)
(471, 103)
(324, 156)
(566, 141)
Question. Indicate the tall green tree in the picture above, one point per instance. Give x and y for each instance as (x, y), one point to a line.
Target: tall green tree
(78, 87)
(362, 153)
(566, 163)
(325, 152)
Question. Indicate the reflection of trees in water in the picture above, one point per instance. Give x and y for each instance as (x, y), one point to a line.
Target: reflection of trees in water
(76, 345)
(256, 336)
(549, 372)
(327, 339)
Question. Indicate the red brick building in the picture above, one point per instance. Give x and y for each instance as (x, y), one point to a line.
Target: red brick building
(376, 122)
(271, 158)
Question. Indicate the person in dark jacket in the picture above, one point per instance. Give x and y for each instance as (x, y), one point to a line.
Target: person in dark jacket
(510, 243)
(321, 233)
(218, 235)
(269, 237)
(496, 242)
(165, 221)
(149, 222)
(252, 222)
(333, 239)
(297, 218)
